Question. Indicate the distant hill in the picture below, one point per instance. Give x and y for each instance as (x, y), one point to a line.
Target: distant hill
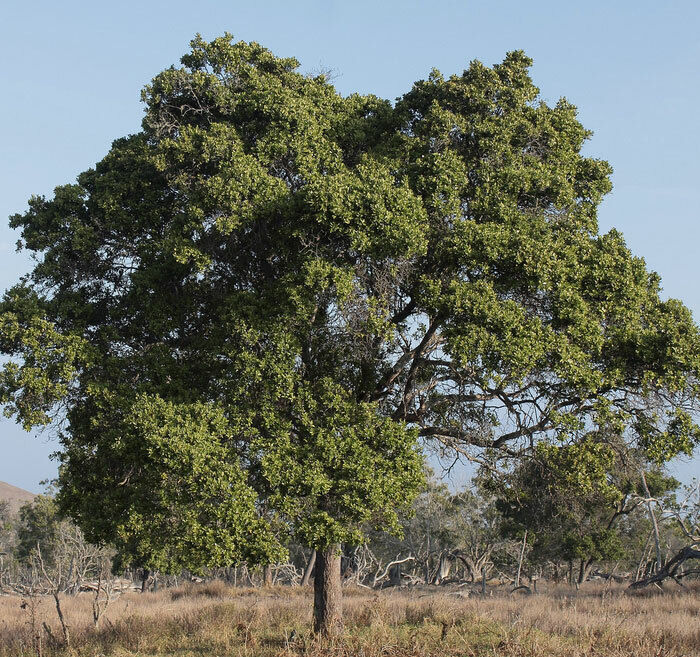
(15, 496)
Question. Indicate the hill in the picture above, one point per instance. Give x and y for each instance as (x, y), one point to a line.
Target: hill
(15, 496)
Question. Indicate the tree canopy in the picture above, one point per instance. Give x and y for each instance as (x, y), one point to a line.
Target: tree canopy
(248, 313)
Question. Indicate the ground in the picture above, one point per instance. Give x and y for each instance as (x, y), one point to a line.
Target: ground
(212, 620)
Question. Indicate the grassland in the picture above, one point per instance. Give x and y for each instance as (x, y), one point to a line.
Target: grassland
(214, 620)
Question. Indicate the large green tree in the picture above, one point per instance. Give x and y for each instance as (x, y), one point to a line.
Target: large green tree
(248, 312)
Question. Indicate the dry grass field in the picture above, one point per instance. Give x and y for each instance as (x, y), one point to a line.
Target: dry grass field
(214, 620)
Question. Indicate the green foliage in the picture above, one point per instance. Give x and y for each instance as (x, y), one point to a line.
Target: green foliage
(7, 527)
(49, 359)
(577, 502)
(251, 309)
(184, 501)
(38, 525)
(341, 468)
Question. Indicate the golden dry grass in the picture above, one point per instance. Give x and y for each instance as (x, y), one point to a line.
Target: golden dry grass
(212, 620)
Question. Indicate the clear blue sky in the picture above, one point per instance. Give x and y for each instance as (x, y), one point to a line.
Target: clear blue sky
(72, 73)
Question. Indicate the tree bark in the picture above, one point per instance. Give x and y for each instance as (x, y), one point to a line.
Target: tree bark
(395, 575)
(145, 575)
(520, 560)
(328, 595)
(443, 569)
(584, 570)
(309, 569)
(267, 575)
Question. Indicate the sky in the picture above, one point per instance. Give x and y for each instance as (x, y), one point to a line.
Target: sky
(73, 72)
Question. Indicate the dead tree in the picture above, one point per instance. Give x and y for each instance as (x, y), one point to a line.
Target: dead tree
(690, 527)
(309, 569)
(381, 574)
(444, 566)
(671, 569)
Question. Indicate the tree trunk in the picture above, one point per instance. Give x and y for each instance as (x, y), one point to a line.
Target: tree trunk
(145, 574)
(395, 575)
(654, 524)
(643, 560)
(309, 569)
(443, 569)
(426, 570)
(328, 595)
(520, 560)
(267, 575)
(245, 576)
(584, 570)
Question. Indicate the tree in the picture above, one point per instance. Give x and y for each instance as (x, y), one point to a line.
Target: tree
(443, 529)
(681, 543)
(572, 500)
(251, 309)
(7, 540)
(54, 548)
(38, 525)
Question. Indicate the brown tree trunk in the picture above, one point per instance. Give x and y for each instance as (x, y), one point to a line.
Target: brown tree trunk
(584, 570)
(145, 575)
(328, 595)
(267, 575)
(309, 569)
